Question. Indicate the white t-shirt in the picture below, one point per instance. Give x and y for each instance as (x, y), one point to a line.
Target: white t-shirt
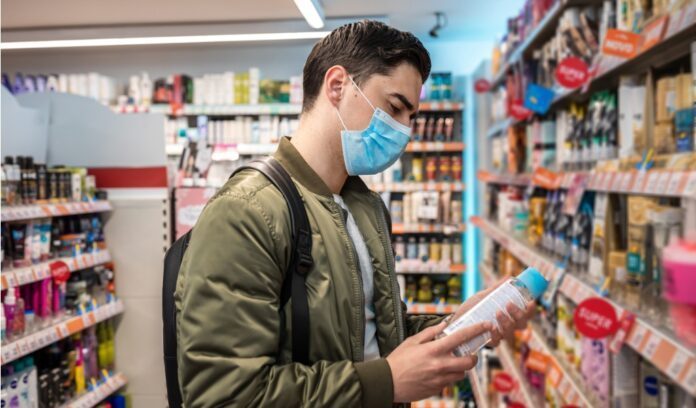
(370, 348)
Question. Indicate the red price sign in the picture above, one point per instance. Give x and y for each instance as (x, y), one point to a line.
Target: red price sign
(595, 318)
(545, 178)
(59, 271)
(503, 382)
(518, 111)
(482, 85)
(622, 44)
(572, 72)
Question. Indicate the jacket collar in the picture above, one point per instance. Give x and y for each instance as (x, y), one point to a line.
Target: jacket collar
(298, 168)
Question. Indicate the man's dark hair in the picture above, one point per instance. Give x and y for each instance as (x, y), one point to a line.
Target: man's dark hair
(364, 48)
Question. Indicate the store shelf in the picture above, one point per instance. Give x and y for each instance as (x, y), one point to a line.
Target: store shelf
(437, 403)
(233, 151)
(661, 183)
(544, 30)
(407, 187)
(398, 229)
(479, 392)
(229, 110)
(103, 391)
(419, 147)
(431, 308)
(409, 266)
(440, 106)
(521, 392)
(22, 276)
(564, 380)
(609, 68)
(67, 327)
(661, 348)
(30, 212)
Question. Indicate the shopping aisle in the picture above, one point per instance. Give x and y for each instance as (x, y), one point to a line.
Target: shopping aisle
(570, 139)
(589, 125)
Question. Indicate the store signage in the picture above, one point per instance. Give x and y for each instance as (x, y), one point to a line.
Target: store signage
(572, 72)
(623, 44)
(625, 325)
(518, 110)
(537, 361)
(59, 271)
(503, 382)
(545, 178)
(482, 85)
(654, 32)
(538, 98)
(595, 318)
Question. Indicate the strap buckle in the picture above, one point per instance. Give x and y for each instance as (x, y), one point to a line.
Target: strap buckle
(304, 253)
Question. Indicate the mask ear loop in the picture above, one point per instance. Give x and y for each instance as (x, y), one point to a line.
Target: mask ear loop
(361, 93)
(341, 119)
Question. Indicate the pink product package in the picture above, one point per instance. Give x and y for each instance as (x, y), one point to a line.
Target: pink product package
(595, 368)
(679, 288)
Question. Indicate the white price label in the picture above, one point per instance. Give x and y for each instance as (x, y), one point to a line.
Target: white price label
(34, 341)
(637, 336)
(608, 180)
(652, 344)
(677, 364)
(690, 188)
(6, 354)
(639, 181)
(690, 380)
(618, 181)
(24, 346)
(49, 336)
(675, 181)
(663, 182)
(63, 330)
(651, 183)
(11, 279)
(564, 388)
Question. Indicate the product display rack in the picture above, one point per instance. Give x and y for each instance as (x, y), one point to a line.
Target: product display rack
(414, 186)
(22, 276)
(59, 330)
(521, 391)
(109, 385)
(669, 355)
(406, 266)
(661, 183)
(477, 388)
(29, 212)
(437, 403)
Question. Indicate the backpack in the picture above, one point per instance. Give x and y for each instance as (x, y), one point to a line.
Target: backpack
(293, 283)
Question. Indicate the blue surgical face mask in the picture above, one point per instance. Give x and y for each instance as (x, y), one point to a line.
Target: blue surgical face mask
(375, 148)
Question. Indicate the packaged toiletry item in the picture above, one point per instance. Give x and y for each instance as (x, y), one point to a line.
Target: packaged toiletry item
(649, 386)
(638, 208)
(529, 285)
(412, 248)
(454, 290)
(595, 368)
(423, 249)
(625, 378)
(399, 249)
(435, 250)
(457, 251)
(10, 310)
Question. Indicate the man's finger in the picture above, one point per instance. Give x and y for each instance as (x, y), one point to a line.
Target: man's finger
(449, 343)
(458, 365)
(428, 334)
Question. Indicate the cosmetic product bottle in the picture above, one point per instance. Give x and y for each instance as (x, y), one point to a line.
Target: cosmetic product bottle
(399, 249)
(446, 251)
(19, 321)
(412, 248)
(457, 251)
(454, 290)
(3, 325)
(423, 249)
(10, 308)
(425, 292)
(435, 250)
(526, 287)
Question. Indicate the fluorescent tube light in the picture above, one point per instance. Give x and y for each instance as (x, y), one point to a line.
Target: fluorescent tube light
(187, 39)
(312, 12)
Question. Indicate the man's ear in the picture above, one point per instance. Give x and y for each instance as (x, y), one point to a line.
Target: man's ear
(335, 82)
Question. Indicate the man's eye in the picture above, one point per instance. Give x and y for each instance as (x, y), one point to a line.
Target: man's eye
(393, 108)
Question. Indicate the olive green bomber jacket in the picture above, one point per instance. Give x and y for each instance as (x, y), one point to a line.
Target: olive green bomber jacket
(228, 291)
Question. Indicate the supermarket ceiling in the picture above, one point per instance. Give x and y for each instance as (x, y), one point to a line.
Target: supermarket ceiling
(468, 19)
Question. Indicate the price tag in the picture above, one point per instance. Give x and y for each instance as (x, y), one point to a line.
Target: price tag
(637, 337)
(34, 341)
(641, 176)
(663, 182)
(63, 330)
(49, 336)
(675, 183)
(439, 146)
(627, 182)
(690, 188)
(677, 364)
(564, 388)
(11, 279)
(651, 183)
(608, 181)
(653, 342)
(416, 146)
(690, 380)
(7, 353)
(24, 346)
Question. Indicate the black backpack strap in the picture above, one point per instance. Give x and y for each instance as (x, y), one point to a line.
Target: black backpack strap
(301, 256)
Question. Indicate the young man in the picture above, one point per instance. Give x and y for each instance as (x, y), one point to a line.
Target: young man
(361, 88)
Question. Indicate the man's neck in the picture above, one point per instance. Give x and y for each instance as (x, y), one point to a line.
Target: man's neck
(320, 147)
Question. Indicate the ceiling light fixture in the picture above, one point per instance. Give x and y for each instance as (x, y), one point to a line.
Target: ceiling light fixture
(312, 12)
(170, 40)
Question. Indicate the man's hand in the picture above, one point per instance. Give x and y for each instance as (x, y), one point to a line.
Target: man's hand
(421, 366)
(514, 319)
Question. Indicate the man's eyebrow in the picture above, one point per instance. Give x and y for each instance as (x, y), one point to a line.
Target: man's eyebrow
(403, 100)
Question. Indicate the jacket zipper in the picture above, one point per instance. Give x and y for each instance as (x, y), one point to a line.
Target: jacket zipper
(360, 294)
(391, 267)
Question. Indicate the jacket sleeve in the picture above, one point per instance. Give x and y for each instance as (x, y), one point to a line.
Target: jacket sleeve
(228, 321)
(417, 323)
